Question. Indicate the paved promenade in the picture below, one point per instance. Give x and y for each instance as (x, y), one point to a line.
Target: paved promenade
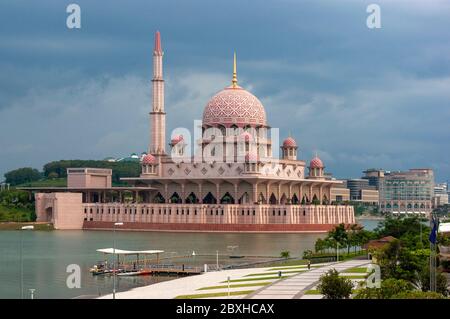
(294, 287)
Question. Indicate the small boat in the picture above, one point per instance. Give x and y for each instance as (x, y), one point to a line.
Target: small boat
(236, 256)
(135, 273)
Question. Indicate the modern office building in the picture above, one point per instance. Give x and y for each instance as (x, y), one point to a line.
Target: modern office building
(408, 192)
(361, 191)
(374, 176)
(440, 195)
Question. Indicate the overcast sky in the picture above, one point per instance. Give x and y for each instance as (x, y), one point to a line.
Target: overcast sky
(360, 97)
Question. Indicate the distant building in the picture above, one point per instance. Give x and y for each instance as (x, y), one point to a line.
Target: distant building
(339, 193)
(374, 175)
(360, 190)
(440, 195)
(407, 192)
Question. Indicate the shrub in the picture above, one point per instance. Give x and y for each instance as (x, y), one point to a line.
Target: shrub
(334, 287)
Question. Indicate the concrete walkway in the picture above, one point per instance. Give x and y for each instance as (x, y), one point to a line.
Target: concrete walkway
(294, 287)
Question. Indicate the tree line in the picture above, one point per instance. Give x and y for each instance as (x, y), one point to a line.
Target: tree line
(58, 169)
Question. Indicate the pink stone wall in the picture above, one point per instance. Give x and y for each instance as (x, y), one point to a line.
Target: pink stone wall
(207, 214)
(64, 210)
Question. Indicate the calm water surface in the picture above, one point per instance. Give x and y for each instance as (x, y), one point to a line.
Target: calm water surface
(47, 254)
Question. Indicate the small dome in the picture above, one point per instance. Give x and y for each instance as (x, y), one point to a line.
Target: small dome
(246, 136)
(251, 157)
(316, 162)
(176, 139)
(289, 142)
(149, 159)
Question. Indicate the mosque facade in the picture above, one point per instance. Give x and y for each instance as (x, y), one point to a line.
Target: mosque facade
(225, 178)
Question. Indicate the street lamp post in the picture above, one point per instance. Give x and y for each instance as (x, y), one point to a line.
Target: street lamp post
(30, 227)
(114, 258)
(337, 251)
(217, 259)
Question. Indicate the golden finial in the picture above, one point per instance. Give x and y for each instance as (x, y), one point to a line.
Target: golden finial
(234, 81)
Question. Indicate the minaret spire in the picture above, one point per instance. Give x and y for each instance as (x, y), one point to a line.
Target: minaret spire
(157, 115)
(234, 81)
(158, 42)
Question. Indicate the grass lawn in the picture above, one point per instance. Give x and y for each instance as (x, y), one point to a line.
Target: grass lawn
(291, 268)
(354, 276)
(237, 286)
(288, 262)
(254, 279)
(362, 270)
(276, 273)
(17, 226)
(215, 294)
(54, 182)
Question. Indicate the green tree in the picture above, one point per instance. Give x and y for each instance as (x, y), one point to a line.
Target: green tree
(285, 254)
(441, 281)
(332, 286)
(416, 294)
(22, 175)
(119, 169)
(307, 254)
(388, 289)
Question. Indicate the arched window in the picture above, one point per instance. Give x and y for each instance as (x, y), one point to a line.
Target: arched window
(175, 198)
(315, 200)
(295, 200)
(159, 199)
(273, 199)
(324, 200)
(192, 199)
(245, 199)
(283, 199)
(227, 199)
(209, 199)
(261, 199)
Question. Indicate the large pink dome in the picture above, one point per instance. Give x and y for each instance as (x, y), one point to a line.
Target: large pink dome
(234, 105)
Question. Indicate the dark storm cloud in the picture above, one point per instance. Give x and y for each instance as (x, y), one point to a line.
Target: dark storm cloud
(358, 97)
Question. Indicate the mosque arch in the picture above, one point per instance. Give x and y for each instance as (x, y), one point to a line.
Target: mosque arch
(244, 199)
(295, 200)
(315, 200)
(227, 199)
(209, 199)
(409, 206)
(175, 198)
(325, 200)
(416, 206)
(422, 205)
(283, 199)
(192, 199)
(262, 199)
(305, 200)
(159, 199)
(273, 199)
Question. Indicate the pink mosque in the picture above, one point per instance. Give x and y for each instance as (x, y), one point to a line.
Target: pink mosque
(231, 183)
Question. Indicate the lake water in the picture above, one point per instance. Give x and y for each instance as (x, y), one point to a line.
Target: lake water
(47, 254)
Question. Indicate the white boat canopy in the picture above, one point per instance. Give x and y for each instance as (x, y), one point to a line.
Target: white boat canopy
(129, 252)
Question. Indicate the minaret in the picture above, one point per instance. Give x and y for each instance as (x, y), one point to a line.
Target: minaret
(157, 115)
